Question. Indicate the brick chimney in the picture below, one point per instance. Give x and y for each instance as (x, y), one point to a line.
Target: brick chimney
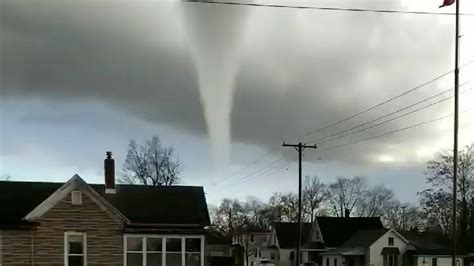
(109, 173)
(347, 213)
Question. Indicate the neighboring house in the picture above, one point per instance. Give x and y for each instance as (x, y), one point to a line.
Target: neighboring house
(324, 234)
(369, 247)
(430, 249)
(389, 248)
(218, 250)
(76, 223)
(218, 245)
(252, 242)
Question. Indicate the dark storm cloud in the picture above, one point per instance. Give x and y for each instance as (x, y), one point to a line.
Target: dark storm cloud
(300, 70)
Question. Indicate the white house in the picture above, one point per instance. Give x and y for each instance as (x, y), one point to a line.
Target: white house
(253, 243)
(324, 234)
(389, 248)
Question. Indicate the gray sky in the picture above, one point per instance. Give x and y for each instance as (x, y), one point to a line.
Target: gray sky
(82, 77)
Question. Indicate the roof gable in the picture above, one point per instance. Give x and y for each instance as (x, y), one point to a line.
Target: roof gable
(75, 182)
(364, 238)
(166, 206)
(287, 234)
(336, 230)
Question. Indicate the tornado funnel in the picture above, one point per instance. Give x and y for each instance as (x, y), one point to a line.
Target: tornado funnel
(214, 36)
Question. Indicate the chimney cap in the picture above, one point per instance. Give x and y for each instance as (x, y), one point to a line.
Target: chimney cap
(109, 154)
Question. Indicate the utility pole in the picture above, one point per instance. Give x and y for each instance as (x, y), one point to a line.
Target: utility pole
(299, 148)
(456, 129)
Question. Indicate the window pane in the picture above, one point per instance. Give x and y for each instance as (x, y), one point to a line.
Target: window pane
(75, 261)
(173, 244)
(153, 259)
(153, 244)
(173, 259)
(75, 244)
(193, 244)
(134, 243)
(193, 259)
(134, 259)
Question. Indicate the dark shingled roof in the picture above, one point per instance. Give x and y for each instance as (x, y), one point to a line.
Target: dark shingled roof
(184, 205)
(363, 238)
(287, 234)
(337, 230)
(428, 243)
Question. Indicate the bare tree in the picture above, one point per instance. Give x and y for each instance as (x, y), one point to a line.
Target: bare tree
(437, 208)
(314, 193)
(439, 174)
(290, 207)
(230, 217)
(345, 194)
(151, 164)
(402, 217)
(374, 201)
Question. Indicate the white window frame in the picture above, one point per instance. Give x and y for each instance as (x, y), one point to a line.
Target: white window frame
(163, 239)
(84, 247)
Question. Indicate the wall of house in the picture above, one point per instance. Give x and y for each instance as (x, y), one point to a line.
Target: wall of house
(376, 258)
(45, 245)
(15, 247)
(217, 250)
(104, 232)
(334, 260)
(442, 260)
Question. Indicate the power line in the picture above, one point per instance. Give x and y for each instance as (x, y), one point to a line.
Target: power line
(254, 162)
(384, 102)
(262, 170)
(245, 167)
(389, 120)
(389, 133)
(266, 173)
(321, 8)
(333, 137)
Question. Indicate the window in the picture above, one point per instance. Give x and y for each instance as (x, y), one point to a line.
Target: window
(335, 262)
(163, 250)
(76, 197)
(252, 238)
(75, 249)
(154, 251)
(272, 256)
(173, 252)
(434, 262)
(327, 261)
(390, 241)
(193, 251)
(134, 251)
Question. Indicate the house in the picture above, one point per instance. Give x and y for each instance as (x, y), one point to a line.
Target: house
(389, 248)
(430, 249)
(218, 245)
(323, 234)
(252, 243)
(218, 250)
(76, 223)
